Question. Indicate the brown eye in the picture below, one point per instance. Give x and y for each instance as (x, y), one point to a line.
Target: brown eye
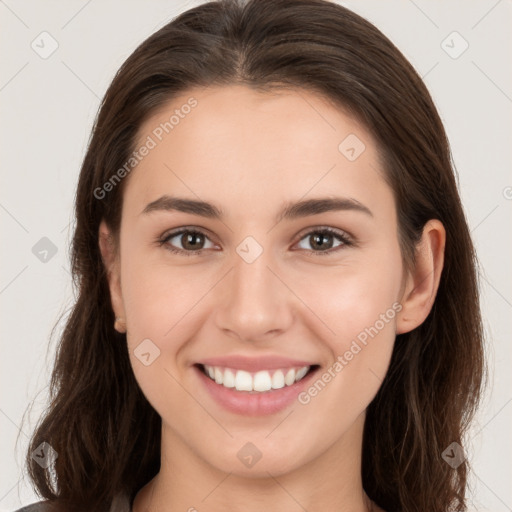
(192, 241)
(322, 241)
(186, 241)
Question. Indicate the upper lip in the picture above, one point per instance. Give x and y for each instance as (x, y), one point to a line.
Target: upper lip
(254, 364)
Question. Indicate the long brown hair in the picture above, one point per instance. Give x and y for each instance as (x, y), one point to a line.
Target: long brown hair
(105, 432)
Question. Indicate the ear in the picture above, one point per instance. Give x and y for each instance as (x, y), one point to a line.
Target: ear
(422, 281)
(111, 262)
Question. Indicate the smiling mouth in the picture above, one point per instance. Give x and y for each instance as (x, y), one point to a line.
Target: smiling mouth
(256, 382)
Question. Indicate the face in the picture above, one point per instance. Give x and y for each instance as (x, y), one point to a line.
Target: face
(240, 290)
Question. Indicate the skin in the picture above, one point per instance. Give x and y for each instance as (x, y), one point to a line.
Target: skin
(249, 153)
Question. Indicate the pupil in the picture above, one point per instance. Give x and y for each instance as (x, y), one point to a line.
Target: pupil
(191, 240)
(320, 239)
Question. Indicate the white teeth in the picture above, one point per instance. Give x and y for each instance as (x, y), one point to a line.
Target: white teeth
(219, 376)
(301, 373)
(278, 380)
(289, 378)
(229, 379)
(261, 381)
(243, 381)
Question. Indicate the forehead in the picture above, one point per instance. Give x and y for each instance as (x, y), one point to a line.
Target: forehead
(226, 143)
(236, 111)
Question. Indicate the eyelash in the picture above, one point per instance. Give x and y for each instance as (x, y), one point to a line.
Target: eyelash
(346, 241)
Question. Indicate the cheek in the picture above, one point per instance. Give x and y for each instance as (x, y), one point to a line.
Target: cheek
(157, 295)
(359, 305)
(352, 297)
(362, 316)
(159, 301)
(163, 304)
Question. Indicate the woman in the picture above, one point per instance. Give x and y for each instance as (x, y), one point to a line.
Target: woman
(274, 273)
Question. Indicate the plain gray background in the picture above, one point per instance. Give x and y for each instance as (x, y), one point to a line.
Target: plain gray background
(47, 109)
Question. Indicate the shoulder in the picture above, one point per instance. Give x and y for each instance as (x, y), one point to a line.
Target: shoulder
(120, 503)
(40, 506)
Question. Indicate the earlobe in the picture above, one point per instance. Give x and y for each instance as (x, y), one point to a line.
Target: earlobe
(111, 262)
(423, 280)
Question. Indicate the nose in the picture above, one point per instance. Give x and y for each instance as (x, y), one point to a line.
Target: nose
(254, 301)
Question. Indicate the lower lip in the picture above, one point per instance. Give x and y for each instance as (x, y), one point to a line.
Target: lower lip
(255, 403)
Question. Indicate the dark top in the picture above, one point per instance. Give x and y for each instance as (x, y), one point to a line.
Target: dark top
(121, 503)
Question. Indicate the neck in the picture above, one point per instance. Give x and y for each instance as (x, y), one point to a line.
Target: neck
(331, 482)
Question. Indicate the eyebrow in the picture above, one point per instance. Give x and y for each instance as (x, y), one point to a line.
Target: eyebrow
(290, 210)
